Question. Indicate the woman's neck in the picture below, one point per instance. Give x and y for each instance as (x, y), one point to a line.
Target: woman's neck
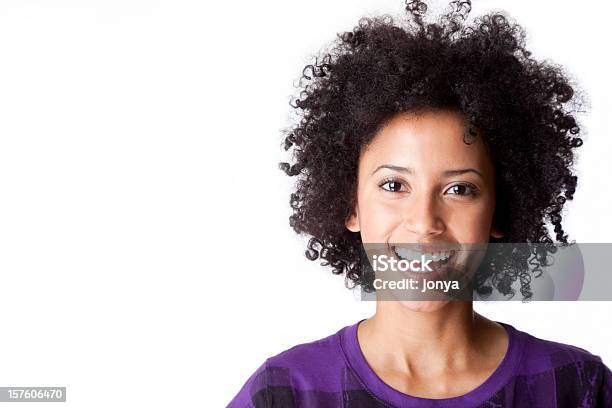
(412, 341)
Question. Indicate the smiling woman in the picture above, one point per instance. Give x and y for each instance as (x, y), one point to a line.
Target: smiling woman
(420, 182)
(431, 134)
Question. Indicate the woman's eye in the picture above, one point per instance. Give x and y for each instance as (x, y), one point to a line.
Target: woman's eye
(393, 186)
(462, 189)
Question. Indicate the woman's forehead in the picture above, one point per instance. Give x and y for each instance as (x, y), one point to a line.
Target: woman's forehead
(432, 139)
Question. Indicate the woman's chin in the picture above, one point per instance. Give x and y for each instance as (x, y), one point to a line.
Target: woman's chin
(424, 305)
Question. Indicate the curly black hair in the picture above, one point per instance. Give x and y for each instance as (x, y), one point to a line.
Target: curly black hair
(521, 106)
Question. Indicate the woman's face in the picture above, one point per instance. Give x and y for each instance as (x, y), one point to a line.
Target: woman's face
(420, 183)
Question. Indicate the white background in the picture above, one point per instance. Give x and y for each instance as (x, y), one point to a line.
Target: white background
(139, 143)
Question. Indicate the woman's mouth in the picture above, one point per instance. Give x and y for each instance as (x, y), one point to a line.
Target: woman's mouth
(427, 271)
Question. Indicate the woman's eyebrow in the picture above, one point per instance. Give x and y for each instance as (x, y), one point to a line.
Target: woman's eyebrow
(395, 168)
(447, 173)
(450, 173)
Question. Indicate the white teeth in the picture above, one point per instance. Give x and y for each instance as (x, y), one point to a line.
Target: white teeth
(406, 253)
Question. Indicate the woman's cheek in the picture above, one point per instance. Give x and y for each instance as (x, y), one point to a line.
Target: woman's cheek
(471, 226)
(378, 220)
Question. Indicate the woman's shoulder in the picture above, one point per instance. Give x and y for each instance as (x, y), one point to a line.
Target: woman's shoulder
(570, 372)
(309, 355)
(311, 368)
(540, 354)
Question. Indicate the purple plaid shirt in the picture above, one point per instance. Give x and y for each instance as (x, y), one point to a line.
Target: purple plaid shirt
(332, 372)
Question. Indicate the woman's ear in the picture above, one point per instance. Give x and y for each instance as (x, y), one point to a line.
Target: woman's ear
(495, 233)
(352, 222)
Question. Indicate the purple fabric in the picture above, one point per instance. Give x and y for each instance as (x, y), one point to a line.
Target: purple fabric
(332, 372)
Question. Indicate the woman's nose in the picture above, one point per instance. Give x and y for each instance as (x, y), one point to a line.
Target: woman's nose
(423, 216)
